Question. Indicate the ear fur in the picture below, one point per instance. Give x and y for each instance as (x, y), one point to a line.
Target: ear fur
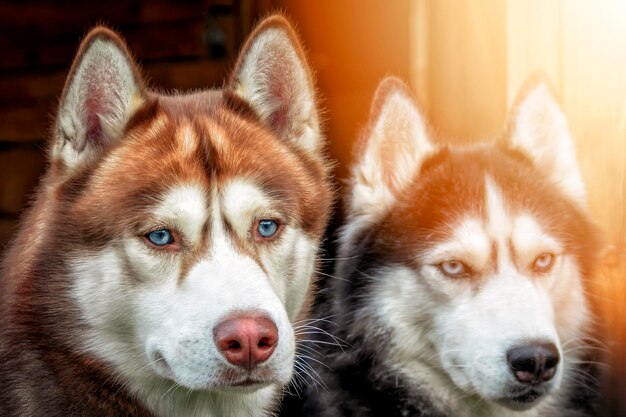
(272, 75)
(392, 150)
(101, 93)
(539, 129)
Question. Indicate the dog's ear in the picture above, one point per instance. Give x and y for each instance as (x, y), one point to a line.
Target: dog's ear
(538, 128)
(273, 77)
(392, 149)
(101, 93)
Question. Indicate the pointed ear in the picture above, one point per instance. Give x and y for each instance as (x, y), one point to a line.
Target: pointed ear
(392, 150)
(101, 93)
(272, 75)
(539, 129)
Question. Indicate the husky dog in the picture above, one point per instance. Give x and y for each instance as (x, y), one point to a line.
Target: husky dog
(460, 281)
(172, 243)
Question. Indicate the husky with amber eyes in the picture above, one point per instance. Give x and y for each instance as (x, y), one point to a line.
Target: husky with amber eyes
(172, 243)
(461, 272)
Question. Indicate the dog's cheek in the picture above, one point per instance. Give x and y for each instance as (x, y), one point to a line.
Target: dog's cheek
(290, 269)
(99, 287)
(454, 335)
(403, 310)
(571, 310)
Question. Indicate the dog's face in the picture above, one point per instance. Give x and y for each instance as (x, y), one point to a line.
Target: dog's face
(190, 223)
(480, 251)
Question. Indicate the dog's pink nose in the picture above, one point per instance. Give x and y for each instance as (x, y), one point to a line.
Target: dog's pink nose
(246, 341)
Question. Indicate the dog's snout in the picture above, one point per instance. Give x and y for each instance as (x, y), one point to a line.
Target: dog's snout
(535, 363)
(246, 341)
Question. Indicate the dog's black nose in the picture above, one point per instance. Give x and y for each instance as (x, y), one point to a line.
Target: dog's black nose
(535, 363)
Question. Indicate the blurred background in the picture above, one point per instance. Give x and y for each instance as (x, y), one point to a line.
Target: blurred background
(464, 59)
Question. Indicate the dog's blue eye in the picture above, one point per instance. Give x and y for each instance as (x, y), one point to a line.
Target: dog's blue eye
(160, 237)
(267, 228)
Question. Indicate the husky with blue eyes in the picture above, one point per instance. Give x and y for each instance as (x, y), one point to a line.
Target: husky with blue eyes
(171, 247)
(460, 285)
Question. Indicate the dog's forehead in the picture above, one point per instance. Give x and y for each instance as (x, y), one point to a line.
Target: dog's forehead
(481, 185)
(182, 141)
(187, 138)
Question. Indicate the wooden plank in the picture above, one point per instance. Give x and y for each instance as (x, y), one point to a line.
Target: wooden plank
(7, 230)
(467, 74)
(20, 170)
(594, 52)
(154, 30)
(76, 15)
(187, 75)
(147, 43)
(351, 47)
(420, 44)
(26, 123)
(534, 37)
(28, 88)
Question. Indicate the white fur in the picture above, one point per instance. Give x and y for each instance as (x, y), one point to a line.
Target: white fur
(541, 131)
(468, 242)
(242, 203)
(187, 139)
(271, 60)
(103, 71)
(184, 208)
(451, 335)
(242, 200)
(155, 327)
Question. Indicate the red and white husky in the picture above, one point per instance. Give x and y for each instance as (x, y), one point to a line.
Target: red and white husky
(172, 244)
(462, 272)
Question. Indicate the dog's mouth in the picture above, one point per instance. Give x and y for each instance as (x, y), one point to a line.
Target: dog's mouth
(227, 378)
(524, 400)
(528, 397)
(247, 383)
(250, 380)
(243, 384)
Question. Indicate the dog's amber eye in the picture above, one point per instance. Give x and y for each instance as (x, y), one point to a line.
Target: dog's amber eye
(453, 268)
(543, 262)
